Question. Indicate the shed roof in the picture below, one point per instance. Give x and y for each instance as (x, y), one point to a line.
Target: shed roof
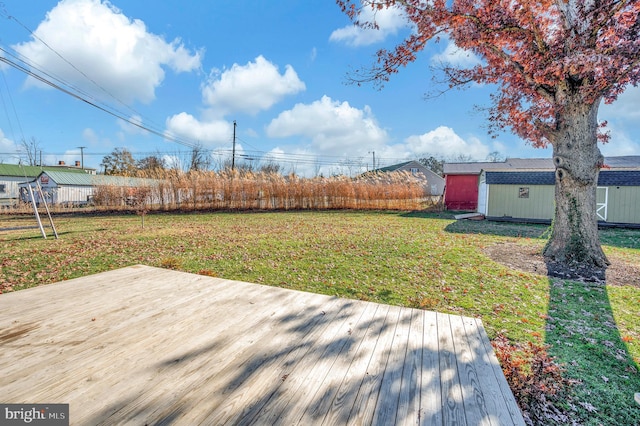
(520, 178)
(123, 181)
(623, 162)
(540, 164)
(508, 164)
(66, 178)
(18, 170)
(619, 178)
(85, 179)
(605, 178)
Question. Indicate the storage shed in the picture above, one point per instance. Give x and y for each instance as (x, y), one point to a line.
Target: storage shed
(530, 195)
(11, 175)
(462, 179)
(76, 188)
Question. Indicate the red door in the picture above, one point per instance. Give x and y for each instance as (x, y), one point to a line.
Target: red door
(461, 192)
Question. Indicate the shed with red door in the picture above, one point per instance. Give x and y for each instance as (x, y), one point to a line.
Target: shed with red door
(462, 180)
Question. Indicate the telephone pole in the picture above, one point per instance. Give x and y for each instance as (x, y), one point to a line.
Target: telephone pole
(82, 156)
(233, 153)
(374, 160)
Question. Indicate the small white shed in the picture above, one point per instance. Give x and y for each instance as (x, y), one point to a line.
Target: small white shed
(76, 188)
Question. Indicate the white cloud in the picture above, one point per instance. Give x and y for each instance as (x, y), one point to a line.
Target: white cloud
(94, 140)
(620, 143)
(132, 126)
(627, 106)
(117, 53)
(622, 117)
(444, 142)
(456, 57)
(333, 128)
(389, 22)
(211, 132)
(8, 146)
(250, 133)
(90, 136)
(250, 88)
(296, 159)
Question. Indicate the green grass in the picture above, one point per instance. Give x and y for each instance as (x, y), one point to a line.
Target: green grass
(427, 261)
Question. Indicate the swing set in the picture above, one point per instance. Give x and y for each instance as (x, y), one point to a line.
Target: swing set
(32, 199)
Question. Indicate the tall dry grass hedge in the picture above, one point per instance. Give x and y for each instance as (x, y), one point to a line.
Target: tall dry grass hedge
(245, 190)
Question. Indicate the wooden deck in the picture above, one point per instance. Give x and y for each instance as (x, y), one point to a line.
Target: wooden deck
(142, 345)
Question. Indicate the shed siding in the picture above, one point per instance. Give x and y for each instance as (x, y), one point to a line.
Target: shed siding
(624, 204)
(73, 194)
(10, 193)
(504, 200)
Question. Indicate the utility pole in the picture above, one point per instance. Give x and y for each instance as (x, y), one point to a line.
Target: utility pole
(374, 160)
(233, 153)
(82, 156)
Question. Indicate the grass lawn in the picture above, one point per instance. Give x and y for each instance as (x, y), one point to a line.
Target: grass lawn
(427, 261)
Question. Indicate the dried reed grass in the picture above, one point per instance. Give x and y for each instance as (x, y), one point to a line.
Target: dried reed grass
(246, 190)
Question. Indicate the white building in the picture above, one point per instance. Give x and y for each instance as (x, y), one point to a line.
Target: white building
(11, 175)
(60, 187)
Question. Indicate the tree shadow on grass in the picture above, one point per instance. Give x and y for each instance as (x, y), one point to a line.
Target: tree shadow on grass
(583, 335)
(614, 237)
(501, 229)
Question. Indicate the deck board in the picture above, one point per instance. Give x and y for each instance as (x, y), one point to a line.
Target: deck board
(147, 345)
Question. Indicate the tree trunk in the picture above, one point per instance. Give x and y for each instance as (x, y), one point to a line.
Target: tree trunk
(574, 250)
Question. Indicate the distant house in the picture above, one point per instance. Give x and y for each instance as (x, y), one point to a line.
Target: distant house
(434, 183)
(13, 174)
(462, 179)
(530, 195)
(64, 187)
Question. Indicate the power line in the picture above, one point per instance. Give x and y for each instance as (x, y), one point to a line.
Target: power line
(28, 67)
(3, 12)
(290, 158)
(114, 113)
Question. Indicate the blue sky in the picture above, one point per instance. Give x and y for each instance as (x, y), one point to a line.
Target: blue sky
(190, 68)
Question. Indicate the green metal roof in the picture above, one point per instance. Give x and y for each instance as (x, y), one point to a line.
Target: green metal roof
(31, 171)
(66, 178)
(85, 179)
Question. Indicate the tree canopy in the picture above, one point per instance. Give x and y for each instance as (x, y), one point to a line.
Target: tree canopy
(542, 54)
(553, 62)
(119, 162)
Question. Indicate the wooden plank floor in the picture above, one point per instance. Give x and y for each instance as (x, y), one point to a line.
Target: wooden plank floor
(143, 345)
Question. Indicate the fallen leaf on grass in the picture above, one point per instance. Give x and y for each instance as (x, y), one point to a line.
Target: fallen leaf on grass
(590, 408)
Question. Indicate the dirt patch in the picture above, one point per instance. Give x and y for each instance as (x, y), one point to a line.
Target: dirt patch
(529, 259)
